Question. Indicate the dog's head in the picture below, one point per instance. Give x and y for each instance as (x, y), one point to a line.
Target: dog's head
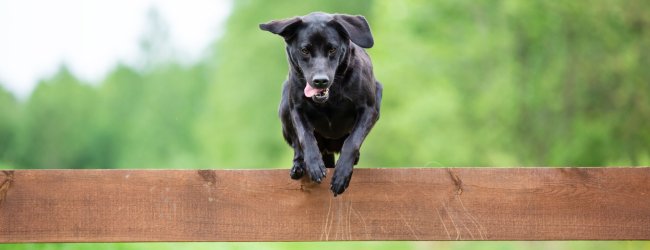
(318, 43)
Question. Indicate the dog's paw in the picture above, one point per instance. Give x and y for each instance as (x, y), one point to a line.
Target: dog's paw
(340, 180)
(316, 170)
(298, 170)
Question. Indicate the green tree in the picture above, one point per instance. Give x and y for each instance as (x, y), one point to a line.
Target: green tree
(57, 129)
(158, 129)
(119, 95)
(8, 118)
(512, 83)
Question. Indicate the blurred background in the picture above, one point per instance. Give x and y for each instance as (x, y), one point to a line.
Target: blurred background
(165, 84)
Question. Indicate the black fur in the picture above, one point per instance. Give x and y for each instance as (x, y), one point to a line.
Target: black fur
(326, 51)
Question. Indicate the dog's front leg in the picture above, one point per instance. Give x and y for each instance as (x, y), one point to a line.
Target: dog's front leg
(350, 150)
(311, 153)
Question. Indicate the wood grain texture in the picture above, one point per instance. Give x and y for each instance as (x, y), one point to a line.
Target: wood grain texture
(380, 204)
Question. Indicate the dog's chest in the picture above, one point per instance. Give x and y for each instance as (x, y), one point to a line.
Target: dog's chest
(334, 121)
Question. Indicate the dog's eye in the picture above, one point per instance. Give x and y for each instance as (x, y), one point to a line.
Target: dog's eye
(304, 51)
(332, 51)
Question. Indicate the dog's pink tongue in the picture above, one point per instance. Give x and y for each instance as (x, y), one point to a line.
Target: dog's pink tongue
(309, 91)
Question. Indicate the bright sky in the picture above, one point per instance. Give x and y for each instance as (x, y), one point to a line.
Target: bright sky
(91, 36)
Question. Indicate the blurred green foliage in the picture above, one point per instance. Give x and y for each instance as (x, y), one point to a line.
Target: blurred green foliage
(466, 83)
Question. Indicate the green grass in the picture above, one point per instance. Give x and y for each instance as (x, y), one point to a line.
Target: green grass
(438, 245)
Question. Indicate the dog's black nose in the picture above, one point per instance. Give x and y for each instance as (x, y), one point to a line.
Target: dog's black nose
(320, 81)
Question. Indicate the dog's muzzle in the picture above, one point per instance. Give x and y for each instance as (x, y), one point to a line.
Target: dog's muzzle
(322, 96)
(319, 95)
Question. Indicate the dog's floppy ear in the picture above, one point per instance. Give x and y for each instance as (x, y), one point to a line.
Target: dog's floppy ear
(285, 27)
(356, 28)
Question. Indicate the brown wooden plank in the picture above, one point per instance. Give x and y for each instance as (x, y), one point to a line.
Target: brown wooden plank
(381, 204)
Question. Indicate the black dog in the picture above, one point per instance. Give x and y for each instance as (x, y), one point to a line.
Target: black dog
(331, 99)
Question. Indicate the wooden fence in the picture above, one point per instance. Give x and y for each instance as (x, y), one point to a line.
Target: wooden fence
(380, 204)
